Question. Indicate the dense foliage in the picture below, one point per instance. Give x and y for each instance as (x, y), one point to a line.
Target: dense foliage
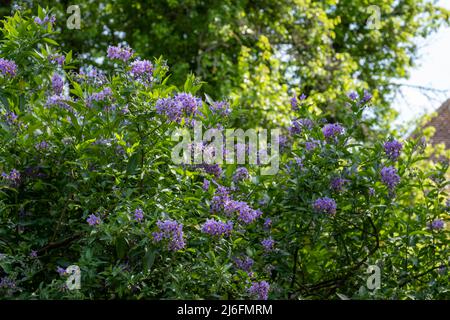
(88, 180)
(258, 52)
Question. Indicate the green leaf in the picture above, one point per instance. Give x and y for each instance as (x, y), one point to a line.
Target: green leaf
(50, 41)
(121, 247)
(149, 259)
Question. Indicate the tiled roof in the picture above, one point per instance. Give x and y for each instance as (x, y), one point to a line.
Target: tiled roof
(442, 124)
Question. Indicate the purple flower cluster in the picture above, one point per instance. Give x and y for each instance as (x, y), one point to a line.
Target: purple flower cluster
(326, 205)
(13, 176)
(294, 103)
(222, 202)
(57, 100)
(244, 263)
(300, 124)
(366, 97)
(181, 106)
(311, 144)
(217, 228)
(299, 162)
(61, 271)
(41, 145)
(138, 215)
(142, 70)
(267, 224)
(353, 95)
(332, 130)
(172, 231)
(260, 290)
(337, 184)
(120, 53)
(7, 283)
(371, 191)
(11, 118)
(245, 213)
(93, 75)
(241, 174)
(220, 107)
(393, 149)
(103, 95)
(213, 169)
(8, 67)
(57, 58)
(437, 224)
(390, 177)
(46, 20)
(205, 185)
(268, 244)
(219, 199)
(57, 84)
(93, 220)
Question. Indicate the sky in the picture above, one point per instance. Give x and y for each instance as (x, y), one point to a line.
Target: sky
(433, 71)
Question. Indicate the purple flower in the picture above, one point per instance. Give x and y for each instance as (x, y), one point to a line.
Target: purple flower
(58, 101)
(326, 205)
(390, 177)
(245, 213)
(103, 95)
(268, 244)
(11, 118)
(220, 107)
(301, 124)
(172, 231)
(337, 184)
(7, 283)
(46, 20)
(219, 199)
(393, 149)
(57, 84)
(299, 162)
(8, 67)
(13, 177)
(437, 224)
(217, 228)
(332, 130)
(353, 95)
(33, 254)
(241, 174)
(260, 290)
(213, 169)
(142, 70)
(244, 263)
(294, 103)
(447, 204)
(302, 96)
(267, 224)
(41, 145)
(311, 144)
(120, 53)
(367, 96)
(205, 185)
(371, 191)
(61, 271)
(93, 220)
(181, 107)
(57, 58)
(138, 215)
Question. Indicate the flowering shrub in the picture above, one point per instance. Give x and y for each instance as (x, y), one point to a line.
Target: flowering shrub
(88, 180)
